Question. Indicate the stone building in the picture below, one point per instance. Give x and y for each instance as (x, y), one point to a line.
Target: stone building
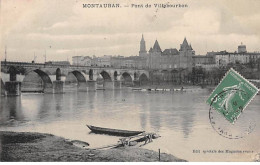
(241, 48)
(117, 61)
(136, 61)
(241, 56)
(76, 60)
(103, 61)
(199, 60)
(128, 62)
(81, 60)
(171, 58)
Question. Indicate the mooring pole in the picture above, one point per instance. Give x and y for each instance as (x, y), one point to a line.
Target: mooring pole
(159, 155)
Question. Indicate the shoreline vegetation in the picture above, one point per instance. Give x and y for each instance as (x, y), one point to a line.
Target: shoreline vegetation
(40, 147)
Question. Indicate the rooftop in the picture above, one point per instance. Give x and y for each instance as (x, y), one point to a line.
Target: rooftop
(156, 47)
(171, 51)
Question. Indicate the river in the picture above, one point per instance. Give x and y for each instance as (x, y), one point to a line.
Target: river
(181, 118)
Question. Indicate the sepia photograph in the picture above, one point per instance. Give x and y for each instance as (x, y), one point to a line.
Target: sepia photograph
(130, 81)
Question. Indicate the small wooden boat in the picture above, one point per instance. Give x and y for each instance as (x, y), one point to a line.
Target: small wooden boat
(136, 89)
(139, 89)
(115, 132)
(100, 89)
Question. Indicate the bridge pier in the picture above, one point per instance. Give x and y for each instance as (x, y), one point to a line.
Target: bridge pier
(127, 84)
(108, 85)
(2, 88)
(91, 85)
(13, 87)
(58, 86)
(136, 83)
(117, 84)
(48, 89)
(82, 87)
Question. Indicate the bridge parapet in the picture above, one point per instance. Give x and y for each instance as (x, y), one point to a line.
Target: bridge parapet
(73, 67)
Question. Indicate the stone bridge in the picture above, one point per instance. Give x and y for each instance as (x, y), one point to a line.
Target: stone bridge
(39, 75)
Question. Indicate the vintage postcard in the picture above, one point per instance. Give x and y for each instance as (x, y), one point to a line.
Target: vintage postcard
(130, 80)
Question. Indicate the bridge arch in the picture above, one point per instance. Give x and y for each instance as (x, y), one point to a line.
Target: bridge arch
(106, 76)
(75, 77)
(143, 79)
(36, 81)
(126, 79)
(45, 77)
(80, 77)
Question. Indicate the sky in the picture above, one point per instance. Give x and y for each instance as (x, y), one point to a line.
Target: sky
(63, 28)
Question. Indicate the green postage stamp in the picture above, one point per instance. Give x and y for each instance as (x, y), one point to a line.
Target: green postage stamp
(232, 95)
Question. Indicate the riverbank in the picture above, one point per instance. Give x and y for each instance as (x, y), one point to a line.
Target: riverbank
(26, 146)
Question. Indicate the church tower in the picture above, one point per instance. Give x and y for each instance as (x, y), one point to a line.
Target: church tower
(142, 52)
(186, 53)
(155, 54)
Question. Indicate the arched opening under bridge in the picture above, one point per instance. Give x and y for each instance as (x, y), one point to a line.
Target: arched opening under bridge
(36, 81)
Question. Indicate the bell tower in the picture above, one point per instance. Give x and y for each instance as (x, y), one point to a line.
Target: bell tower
(142, 52)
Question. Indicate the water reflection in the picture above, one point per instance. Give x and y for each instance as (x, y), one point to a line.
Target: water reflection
(91, 100)
(187, 123)
(182, 116)
(144, 105)
(81, 101)
(45, 106)
(11, 110)
(187, 114)
(58, 100)
(155, 117)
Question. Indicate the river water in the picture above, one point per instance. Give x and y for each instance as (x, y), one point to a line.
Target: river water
(182, 120)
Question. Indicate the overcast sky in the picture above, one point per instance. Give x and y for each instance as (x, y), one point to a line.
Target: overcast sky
(64, 28)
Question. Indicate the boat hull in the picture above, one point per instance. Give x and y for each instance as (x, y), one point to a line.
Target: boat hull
(114, 132)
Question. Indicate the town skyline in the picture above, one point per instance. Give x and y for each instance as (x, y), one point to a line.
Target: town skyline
(29, 31)
(115, 55)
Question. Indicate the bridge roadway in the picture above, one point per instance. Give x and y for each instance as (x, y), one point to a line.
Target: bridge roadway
(39, 76)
